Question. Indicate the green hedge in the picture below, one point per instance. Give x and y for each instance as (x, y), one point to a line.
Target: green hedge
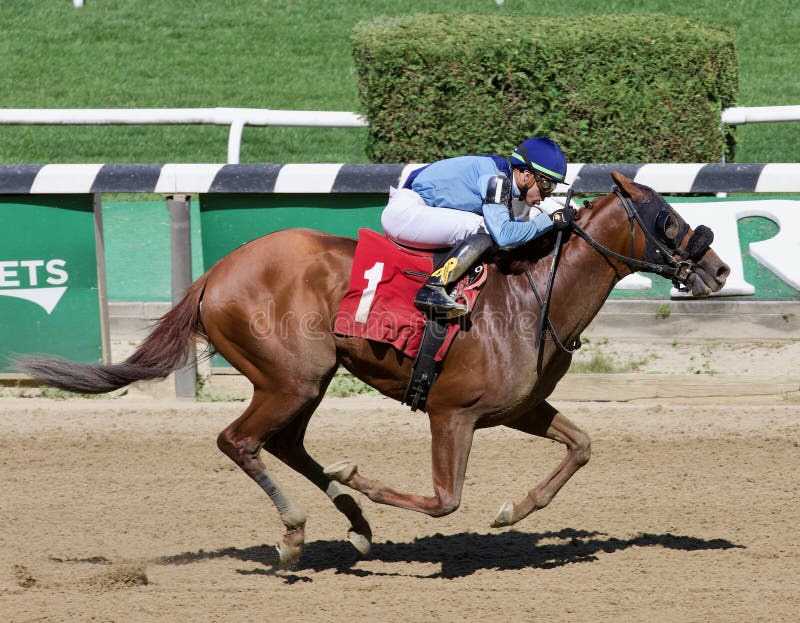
(611, 88)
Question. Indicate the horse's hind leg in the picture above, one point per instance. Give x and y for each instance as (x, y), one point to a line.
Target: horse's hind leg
(242, 441)
(288, 446)
(545, 421)
(278, 423)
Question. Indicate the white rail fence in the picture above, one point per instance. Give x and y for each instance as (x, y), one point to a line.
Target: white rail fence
(237, 118)
(760, 114)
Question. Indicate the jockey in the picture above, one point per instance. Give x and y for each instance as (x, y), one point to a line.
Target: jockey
(465, 203)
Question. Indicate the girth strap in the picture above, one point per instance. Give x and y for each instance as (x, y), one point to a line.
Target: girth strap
(425, 369)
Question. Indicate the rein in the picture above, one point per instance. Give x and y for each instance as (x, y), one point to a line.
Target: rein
(546, 319)
(545, 306)
(677, 271)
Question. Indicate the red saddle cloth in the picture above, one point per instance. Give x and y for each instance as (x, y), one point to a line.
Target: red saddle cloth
(379, 304)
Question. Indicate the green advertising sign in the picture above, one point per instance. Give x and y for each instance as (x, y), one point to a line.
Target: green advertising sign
(49, 301)
(137, 237)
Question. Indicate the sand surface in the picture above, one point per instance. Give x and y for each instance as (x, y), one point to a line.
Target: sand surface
(124, 510)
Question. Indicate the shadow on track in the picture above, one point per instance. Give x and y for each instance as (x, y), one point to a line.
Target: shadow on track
(459, 555)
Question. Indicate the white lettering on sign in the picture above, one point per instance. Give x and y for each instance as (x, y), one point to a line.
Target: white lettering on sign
(20, 278)
(8, 274)
(58, 275)
(32, 266)
(780, 254)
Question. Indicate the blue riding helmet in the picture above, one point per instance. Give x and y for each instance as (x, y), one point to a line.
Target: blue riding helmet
(542, 155)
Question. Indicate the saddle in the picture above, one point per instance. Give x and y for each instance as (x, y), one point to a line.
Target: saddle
(379, 306)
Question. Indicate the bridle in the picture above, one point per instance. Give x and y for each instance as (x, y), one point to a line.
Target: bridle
(660, 249)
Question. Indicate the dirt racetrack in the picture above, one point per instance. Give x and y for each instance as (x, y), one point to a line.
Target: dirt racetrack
(124, 510)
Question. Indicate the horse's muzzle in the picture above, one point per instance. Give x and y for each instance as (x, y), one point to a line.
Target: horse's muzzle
(707, 276)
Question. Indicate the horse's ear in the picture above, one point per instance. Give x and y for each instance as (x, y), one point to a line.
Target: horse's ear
(628, 188)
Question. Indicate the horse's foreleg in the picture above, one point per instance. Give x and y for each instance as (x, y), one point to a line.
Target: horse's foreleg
(242, 442)
(451, 440)
(545, 421)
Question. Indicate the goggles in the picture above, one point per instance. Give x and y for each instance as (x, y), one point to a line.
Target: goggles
(546, 185)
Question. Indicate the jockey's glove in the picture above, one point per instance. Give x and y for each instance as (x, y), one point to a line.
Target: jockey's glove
(562, 219)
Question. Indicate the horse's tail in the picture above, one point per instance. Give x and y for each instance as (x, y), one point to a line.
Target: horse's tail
(164, 350)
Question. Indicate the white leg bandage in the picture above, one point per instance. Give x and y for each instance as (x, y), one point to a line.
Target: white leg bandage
(291, 515)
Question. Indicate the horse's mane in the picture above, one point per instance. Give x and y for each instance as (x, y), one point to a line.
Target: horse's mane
(519, 259)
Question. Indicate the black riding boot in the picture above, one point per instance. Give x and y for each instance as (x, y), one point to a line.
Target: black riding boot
(433, 297)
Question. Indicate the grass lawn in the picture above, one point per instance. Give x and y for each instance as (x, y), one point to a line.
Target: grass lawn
(290, 54)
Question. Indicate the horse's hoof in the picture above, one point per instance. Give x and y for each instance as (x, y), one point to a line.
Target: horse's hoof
(504, 516)
(290, 547)
(360, 541)
(341, 471)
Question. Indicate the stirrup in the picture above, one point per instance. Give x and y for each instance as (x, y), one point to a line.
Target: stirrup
(436, 301)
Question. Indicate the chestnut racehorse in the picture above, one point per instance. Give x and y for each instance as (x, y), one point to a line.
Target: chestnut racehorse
(493, 375)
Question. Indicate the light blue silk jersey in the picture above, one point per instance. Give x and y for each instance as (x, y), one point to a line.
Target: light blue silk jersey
(460, 183)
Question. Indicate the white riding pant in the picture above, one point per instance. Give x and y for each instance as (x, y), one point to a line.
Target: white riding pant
(406, 219)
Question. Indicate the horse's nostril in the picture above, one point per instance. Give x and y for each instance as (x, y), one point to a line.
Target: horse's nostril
(723, 272)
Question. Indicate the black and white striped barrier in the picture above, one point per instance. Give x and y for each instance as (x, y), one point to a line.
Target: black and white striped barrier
(367, 178)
